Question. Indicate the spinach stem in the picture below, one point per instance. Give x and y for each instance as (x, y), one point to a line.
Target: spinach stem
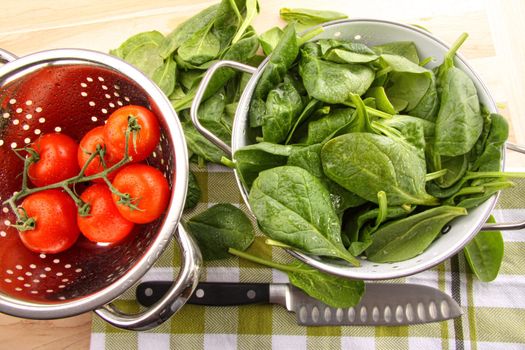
(309, 35)
(449, 58)
(435, 175)
(262, 261)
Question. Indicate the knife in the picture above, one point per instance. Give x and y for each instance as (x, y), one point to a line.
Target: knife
(383, 304)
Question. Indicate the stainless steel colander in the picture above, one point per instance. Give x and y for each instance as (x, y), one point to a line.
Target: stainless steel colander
(72, 91)
(371, 32)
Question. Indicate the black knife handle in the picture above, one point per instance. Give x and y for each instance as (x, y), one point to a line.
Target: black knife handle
(208, 293)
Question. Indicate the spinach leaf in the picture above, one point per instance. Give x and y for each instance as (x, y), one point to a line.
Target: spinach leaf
(330, 289)
(194, 192)
(485, 253)
(274, 72)
(136, 41)
(366, 163)
(221, 227)
(251, 160)
(414, 84)
(405, 238)
(211, 116)
(142, 51)
(227, 20)
(165, 76)
(319, 130)
(292, 206)
(309, 158)
(406, 49)
(252, 9)
(269, 39)
(459, 122)
(308, 110)
(283, 107)
(306, 18)
(491, 156)
(187, 29)
(202, 47)
(381, 99)
(346, 52)
(200, 145)
(333, 82)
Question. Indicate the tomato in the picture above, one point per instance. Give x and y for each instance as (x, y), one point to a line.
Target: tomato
(57, 159)
(148, 189)
(88, 145)
(55, 214)
(141, 142)
(104, 224)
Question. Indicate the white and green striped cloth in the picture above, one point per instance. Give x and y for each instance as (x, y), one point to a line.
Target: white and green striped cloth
(493, 313)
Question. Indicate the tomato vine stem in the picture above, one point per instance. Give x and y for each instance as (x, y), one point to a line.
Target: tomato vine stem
(24, 223)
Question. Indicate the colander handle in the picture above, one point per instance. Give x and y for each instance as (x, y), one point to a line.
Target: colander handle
(6, 56)
(173, 300)
(507, 226)
(200, 93)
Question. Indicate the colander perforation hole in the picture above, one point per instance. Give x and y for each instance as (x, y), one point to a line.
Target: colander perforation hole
(5, 210)
(16, 121)
(12, 101)
(94, 119)
(29, 116)
(7, 280)
(112, 105)
(38, 109)
(25, 127)
(41, 120)
(1, 142)
(6, 115)
(19, 110)
(100, 78)
(7, 222)
(83, 94)
(104, 87)
(108, 96)
(27, 140)
(14, 145)
(92, 103)
(29, 103)
(104, 111)
(9, 271)
(89, 79)
(119, 102)
(58, 129)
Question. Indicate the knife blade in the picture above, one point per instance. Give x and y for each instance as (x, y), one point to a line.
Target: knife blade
(383, 304)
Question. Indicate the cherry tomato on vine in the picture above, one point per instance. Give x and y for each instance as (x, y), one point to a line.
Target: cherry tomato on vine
(88, 145)
(148, 190)
(56, 159)
(143, 139)
(55, 215)
(104, 224)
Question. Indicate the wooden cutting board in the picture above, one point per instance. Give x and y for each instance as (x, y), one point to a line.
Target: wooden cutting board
(495, 49)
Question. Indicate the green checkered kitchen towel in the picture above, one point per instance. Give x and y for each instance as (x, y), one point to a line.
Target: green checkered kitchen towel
(493, 313)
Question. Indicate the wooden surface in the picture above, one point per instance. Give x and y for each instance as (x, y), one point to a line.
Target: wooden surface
(495, 49)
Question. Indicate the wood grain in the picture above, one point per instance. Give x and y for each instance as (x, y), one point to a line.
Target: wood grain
(495, 49)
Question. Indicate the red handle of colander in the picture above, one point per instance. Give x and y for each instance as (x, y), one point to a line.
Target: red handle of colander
(172, 301)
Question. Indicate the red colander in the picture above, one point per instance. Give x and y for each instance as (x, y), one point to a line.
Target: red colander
(72, 91)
